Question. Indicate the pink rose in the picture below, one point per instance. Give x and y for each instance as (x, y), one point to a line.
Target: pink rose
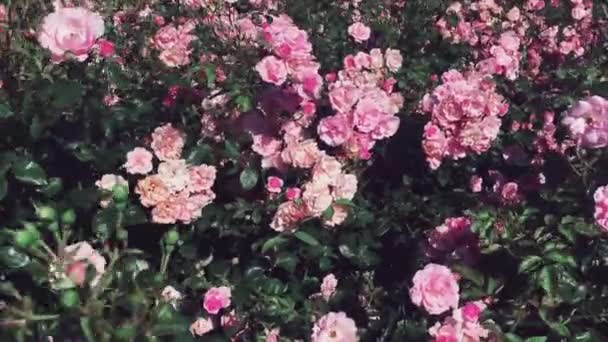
(70, 32)
(287, 216)
(105, 47)
(328, 286)
(167, 142)
(139, 161)
(274, 184)
(335, 130)
(340, 213)
(301, 155)
(359, 32)
(601, 207)
(201, 326)
(265, 146)
(77, 257)
(344, 97)
(317, 198)
(293, 193)
(216, 298)
(476, 183)
(435, 288)
(272, 70)
(272, 335)
(152, 190)
(202, 177)
(345, 187)
(394, 60)
(175, 57)
(332, 325)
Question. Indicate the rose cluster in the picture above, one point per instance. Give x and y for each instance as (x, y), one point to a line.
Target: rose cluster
(465, 114)
(320, 196)
(365, 104)
(178, 191)
(587, 122)
(172, 41)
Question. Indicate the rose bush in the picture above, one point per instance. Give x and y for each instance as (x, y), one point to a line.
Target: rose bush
(311, 170)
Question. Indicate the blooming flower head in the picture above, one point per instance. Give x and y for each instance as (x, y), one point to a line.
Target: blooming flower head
(587, 122)
(359, 31)
(601, 207)
(216, 298)
(435, 289)
(334, 327)
(167, 142)
(139, 161)
(201, 326)
(328, 286)
(77, 258)
(70, 32)
(274, 184)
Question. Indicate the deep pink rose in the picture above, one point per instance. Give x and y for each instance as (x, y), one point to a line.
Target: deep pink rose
(274, 184)
(216, 298)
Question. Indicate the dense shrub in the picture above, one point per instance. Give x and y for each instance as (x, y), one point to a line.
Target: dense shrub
(278, 170)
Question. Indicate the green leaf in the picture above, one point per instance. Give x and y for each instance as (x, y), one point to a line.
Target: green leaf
(536, 339)
(28, 171)
(547, 279)
(306, 238)
(243, 103)
(11, 258)
(134, 215)
(66, 93)
(8, 289)
(5, 111)
(273, 242)
(200, 154)
(561, 257)
(530, 263)
(106, 222)
(469, 273)
(328, 213)
(249, 178)
(232, 150)
(210, 75)
(3, 187)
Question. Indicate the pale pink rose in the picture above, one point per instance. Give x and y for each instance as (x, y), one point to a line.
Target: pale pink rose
(293, 193)
(363, 60)
(3, 14)
(359, 32)
(344, 97)
(301, 155)
(70, 32)
(272, 70)
(174, 209)
(514, 14)
(328, 286)
(587, 122)
(601, 207)
(345, 187)
(201, 326)
(170, 295)
(152, 190)
(435, 289)
(175, 57)
(201, 177)
(274, 184)
(377, 59)
(195, 203)
(335, 326)
(509, 194)
(340, 213)
(78, 257)
(287, 216)
(394, 60)
(272, 335)
(139, 161)
(175, 174)
(476, 183)
(335, 130)
(326, 170)
(167, 142)
(386, 128)
(216, 298)
(167, 37)
(317, 198)
(265, 146)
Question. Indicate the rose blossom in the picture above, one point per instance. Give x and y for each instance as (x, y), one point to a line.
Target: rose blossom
(340, 213)
(287, 216)
(359, 32)
(201, 326)
(70, 31)
(77, 257)
(394, 60)
(601, 207)
(152, 190)
(476, 183)
(272, 70)
(317, 198)
(301, 155)
(334, 326)
(139, 161)
(272, 335)
(587, 122)
(201, 177)
(328, 287)
(216, 298)
(293, 193)
(435, 288)
(335, 130)
(167, 142)
(345, 187)
(274, 184)
(170, 295)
